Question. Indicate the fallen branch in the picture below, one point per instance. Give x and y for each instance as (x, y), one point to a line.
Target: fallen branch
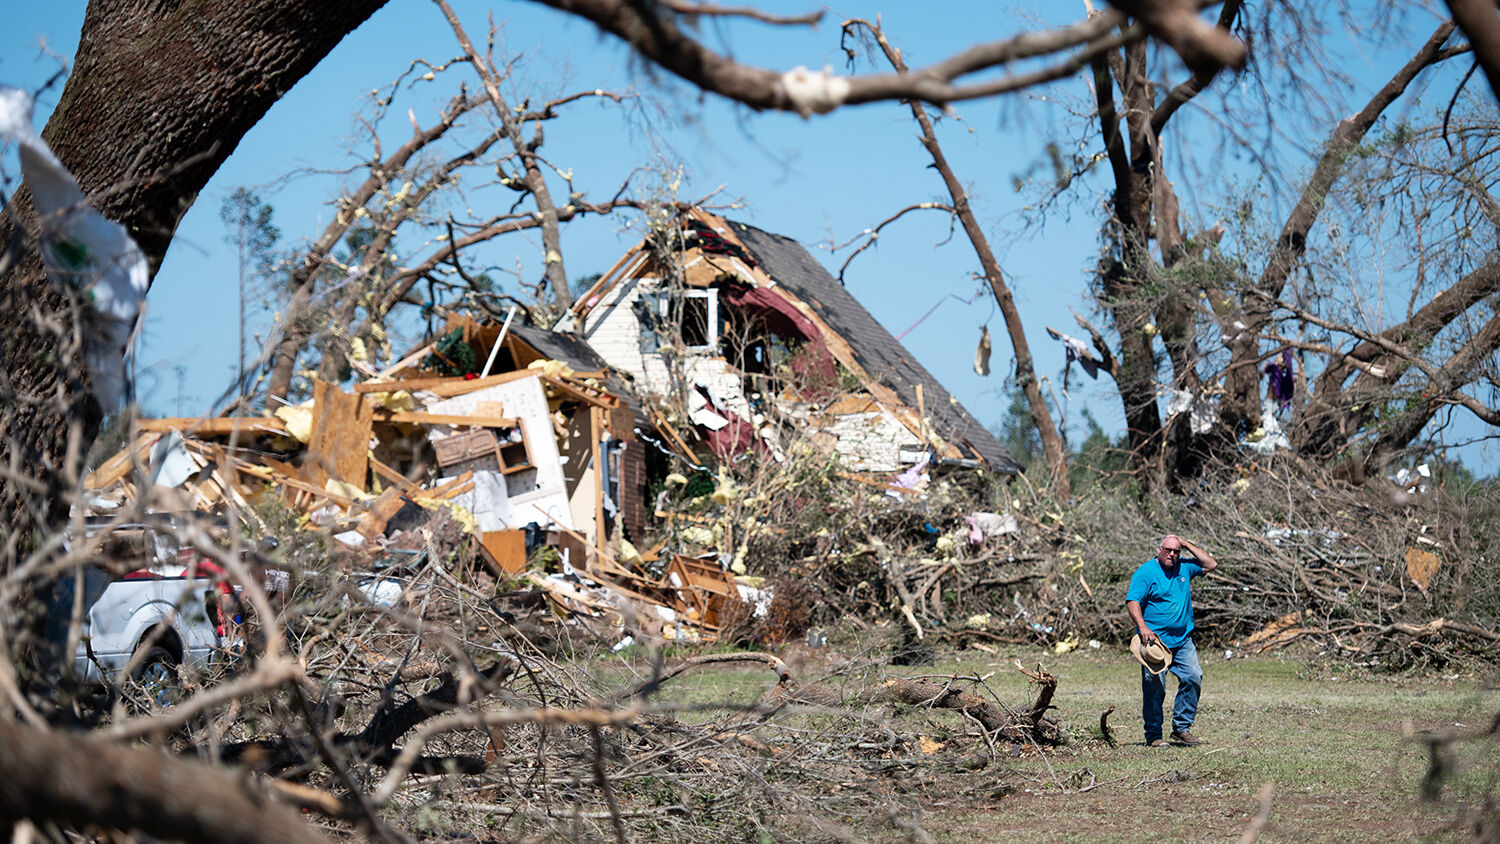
(53, 777)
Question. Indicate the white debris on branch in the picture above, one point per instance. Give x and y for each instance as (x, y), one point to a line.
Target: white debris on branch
(83, 253)
(812, 92)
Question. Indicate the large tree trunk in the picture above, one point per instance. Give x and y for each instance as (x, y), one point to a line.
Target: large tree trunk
(160, 95)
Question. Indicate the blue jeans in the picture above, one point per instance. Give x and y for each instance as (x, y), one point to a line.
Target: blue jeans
(1154, 691)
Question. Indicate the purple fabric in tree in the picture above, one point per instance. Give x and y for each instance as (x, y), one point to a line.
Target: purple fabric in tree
(1281, 382)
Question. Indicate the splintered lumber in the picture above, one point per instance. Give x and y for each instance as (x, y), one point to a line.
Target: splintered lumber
(608, 568)
(372, 523)
(310, 489)
(340, 443)
(670, 435)
(213, 427)
(445, 387)
(456, 420)
(395, 477)
(706, 585)
(579, 390)
(117, 467)
(401, 364)
(459, 485)
(565, 593)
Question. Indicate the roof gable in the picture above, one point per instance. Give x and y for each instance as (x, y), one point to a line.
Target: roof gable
(877, 351)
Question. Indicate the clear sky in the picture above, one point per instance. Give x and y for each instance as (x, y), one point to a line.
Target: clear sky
(815, 180)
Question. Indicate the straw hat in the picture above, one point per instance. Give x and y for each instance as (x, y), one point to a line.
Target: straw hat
(1156, 657)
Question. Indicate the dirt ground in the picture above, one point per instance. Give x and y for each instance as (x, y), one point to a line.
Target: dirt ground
(1339, 751)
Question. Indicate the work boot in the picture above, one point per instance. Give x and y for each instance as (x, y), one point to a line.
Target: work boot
(1156, 742)
(1186, 737)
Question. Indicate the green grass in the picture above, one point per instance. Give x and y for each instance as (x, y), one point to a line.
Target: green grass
(1337, 749)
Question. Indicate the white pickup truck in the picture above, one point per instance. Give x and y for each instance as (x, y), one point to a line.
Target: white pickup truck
(171, 612)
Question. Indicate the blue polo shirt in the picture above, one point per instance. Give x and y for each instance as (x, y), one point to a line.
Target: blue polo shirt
(1165, 598)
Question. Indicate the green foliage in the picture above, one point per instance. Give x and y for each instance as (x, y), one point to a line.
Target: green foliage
(452, 356)
(1099, 461)
(1017, 429)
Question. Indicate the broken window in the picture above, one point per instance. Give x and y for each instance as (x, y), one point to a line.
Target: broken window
(698, 317)
(692, 315)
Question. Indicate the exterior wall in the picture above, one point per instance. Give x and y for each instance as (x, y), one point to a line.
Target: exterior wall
(612, 329)
(871, 442)
(530, 495)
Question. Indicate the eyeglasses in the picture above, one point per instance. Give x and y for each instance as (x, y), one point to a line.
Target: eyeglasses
(1170, 550)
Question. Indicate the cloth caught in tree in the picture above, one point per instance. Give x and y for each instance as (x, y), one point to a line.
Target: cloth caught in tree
(1077, 350)
(1281, 384)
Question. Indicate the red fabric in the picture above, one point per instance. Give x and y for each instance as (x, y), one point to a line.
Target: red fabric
(209, 568)
(732, 439)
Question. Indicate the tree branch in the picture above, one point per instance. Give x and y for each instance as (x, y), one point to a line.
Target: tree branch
(657, 37)
(48, 776)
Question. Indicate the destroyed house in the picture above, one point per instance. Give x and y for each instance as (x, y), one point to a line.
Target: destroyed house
(509, 426)
(740, 329)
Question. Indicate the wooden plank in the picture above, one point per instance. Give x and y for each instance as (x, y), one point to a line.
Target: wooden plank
(504, 550)
(707, 583)
(454, 491)
(582, 392)
(306, 487)
(596, 428)
(460, 387)
(117, 467)
(683, 449)
(457, 420)
(608, 567)
(608, 279)
(381, 509)
(403, 384)
(390, 474)
(401, 364)
(339, 446)
(446, 490)
(215, 427)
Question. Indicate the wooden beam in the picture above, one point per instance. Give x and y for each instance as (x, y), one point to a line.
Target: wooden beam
(448, 489)
(596, 425)
(390, 474)
(582, 392)
(462, 387)
(116, 468)
(214, 427)
(457, 420)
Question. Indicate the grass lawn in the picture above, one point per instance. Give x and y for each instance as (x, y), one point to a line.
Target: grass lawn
(1336, 748)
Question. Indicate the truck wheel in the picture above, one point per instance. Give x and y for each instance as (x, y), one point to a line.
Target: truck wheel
(156, 675)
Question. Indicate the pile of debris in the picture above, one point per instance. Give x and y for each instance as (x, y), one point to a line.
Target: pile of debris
(529, 454)
(709, 349)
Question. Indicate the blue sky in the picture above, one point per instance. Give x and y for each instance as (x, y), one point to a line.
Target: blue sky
(815, 180)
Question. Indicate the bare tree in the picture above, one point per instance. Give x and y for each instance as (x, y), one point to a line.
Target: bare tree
(1052, 444)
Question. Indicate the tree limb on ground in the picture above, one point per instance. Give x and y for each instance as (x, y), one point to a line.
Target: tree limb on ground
(54, 777)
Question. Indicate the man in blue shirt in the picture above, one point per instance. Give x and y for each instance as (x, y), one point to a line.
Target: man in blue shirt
(1160, 602)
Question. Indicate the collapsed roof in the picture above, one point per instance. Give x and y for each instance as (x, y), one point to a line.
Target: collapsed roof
(778, 278)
